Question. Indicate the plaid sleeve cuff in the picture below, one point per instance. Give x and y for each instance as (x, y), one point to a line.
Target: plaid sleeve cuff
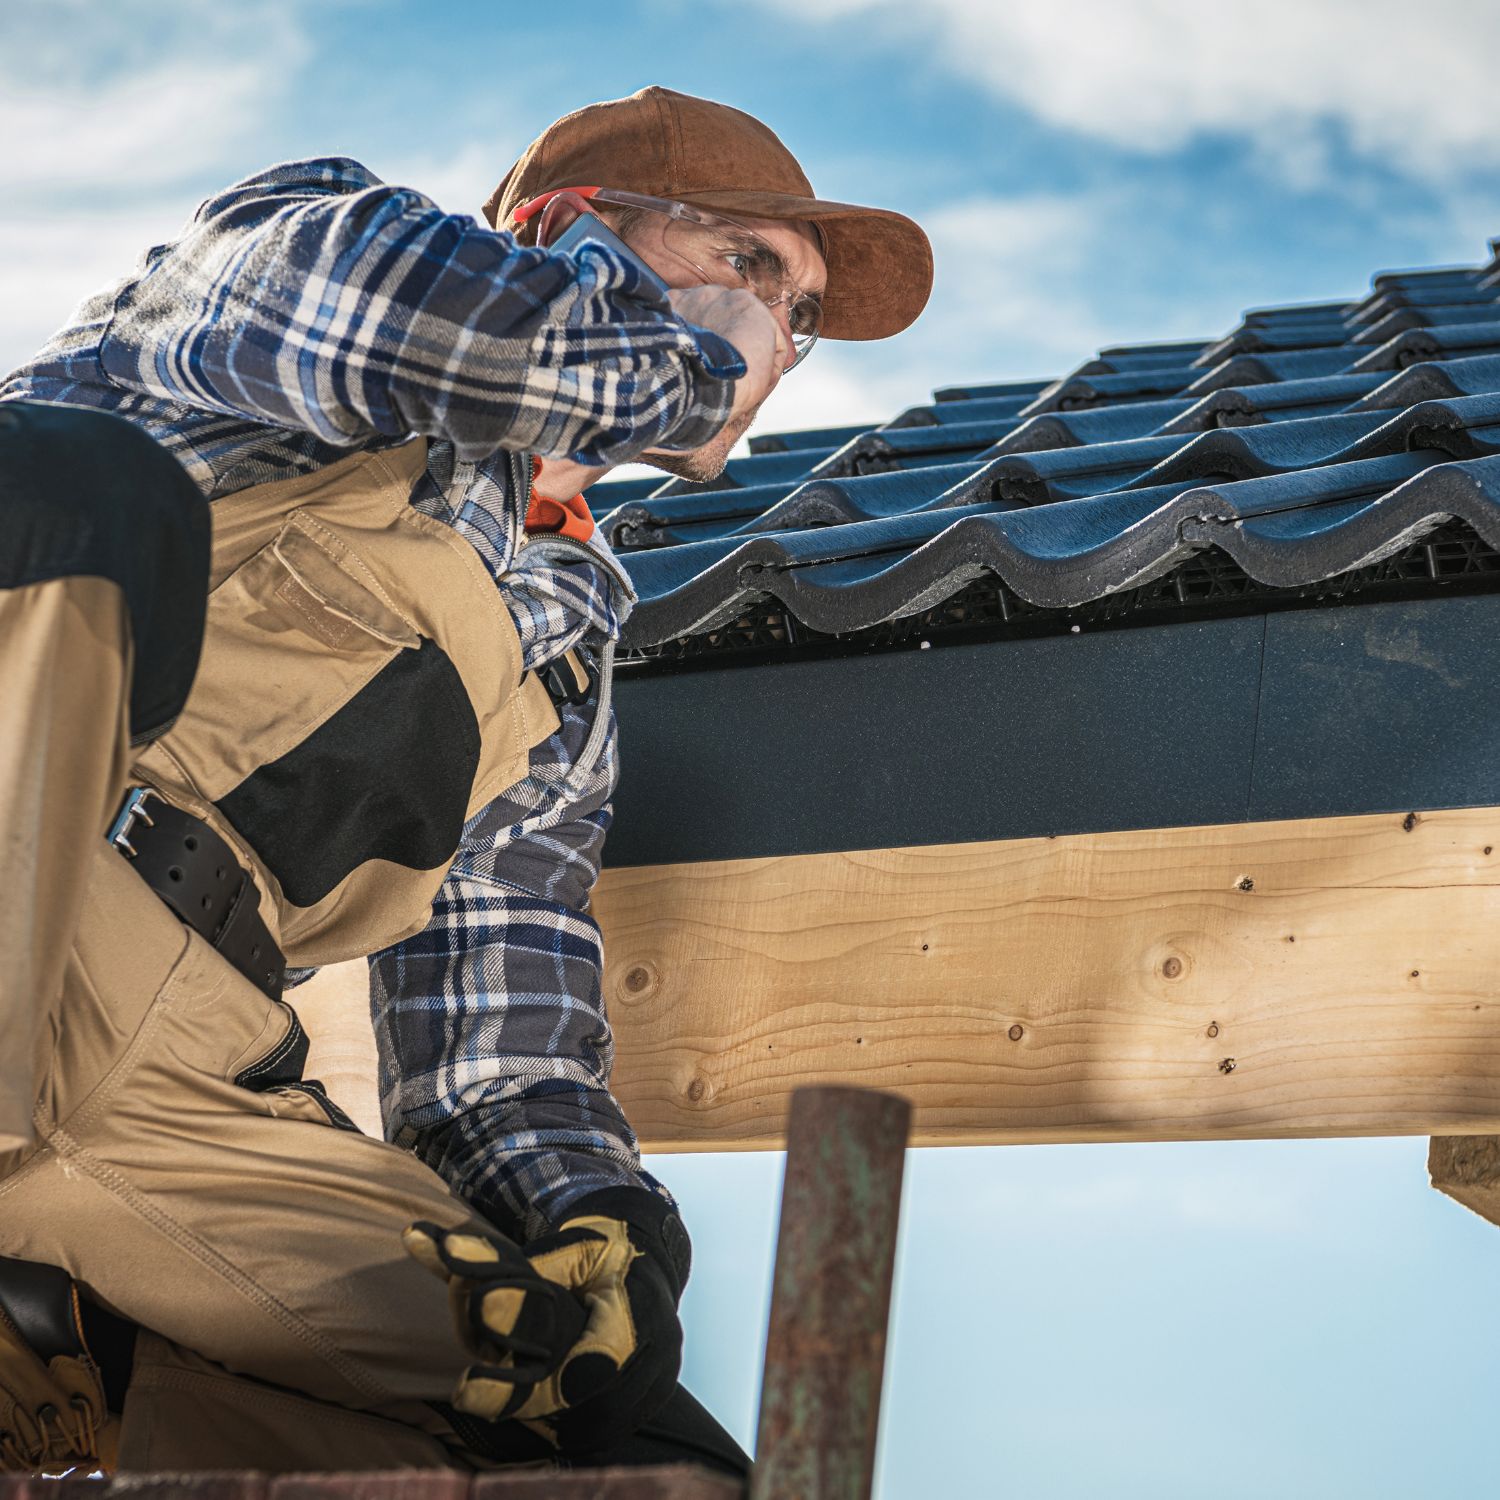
(719, 357)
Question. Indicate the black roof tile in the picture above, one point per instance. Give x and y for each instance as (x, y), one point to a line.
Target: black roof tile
(978, 409)
(1309, 442)
(1104, 424)
(1433, 381)
(899, 447)
(1417, 344)
(1075, 392)
(757, 469)
(796, 442)
(1282, 400)
(1254, 339)
(1297, 312)
(1401, 319)
(1000, 388)
(1260, 369)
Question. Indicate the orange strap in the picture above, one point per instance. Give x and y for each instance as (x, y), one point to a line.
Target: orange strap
(570, 518)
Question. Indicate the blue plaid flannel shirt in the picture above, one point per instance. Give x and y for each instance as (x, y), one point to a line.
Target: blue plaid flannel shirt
(311, 311)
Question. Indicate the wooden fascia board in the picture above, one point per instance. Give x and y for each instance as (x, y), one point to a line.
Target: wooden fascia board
(1467, 1169)
(1329, 977)
(1325, 977)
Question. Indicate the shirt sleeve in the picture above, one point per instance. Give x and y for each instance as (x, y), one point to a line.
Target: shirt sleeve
(315, 297)
(495, 1050)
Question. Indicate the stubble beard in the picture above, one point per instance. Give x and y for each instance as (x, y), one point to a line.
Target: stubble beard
(702, 464)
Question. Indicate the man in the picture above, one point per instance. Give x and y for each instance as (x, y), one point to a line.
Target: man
(398, 742)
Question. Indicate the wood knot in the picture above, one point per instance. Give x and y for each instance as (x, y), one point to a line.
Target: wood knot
(696, 1090)
(1016, 1033)
(1227, 1065)
(639, 978)
(1409, 822)
(1213, 1028)
(1171, 968)
(1245, 883)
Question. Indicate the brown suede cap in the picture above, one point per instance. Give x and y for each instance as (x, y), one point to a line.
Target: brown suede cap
(673, 145)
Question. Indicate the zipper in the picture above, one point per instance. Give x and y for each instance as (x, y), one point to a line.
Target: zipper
(564, 546)
(567, 547)
(515, 524)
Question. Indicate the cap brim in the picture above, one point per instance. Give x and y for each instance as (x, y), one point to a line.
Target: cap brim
(879, 262)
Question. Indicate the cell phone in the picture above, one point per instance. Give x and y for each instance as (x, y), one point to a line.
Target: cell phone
(588, 227)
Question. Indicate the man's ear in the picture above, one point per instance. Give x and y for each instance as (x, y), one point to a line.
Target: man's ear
(558, 215)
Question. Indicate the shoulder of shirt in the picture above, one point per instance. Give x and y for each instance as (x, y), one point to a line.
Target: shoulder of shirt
(290, 181)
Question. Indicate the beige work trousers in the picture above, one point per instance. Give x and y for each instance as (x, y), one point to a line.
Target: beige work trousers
(258, 1243)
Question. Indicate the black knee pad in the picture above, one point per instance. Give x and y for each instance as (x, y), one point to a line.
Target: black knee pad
(86, 494)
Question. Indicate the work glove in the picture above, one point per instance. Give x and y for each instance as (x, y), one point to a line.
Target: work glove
(577, 1333)
(54, 1413)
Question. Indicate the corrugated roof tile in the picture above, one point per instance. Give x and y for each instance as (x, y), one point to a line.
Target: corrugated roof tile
(1310, 441)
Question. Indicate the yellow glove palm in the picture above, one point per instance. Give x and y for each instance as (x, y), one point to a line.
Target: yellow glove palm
(576, 1334)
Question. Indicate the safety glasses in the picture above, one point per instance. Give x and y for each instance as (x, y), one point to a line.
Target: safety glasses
(719, 250)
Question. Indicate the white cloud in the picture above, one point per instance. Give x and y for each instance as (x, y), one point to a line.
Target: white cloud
(1002, 305)
(125, 98)
(458, 183)
(129, 133)
(1018, 293)
(1414, 89)
(121, 108)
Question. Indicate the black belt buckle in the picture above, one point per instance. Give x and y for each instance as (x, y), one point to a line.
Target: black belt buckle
(561, 680)
(197, 875)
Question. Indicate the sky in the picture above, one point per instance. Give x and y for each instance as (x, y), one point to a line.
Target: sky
(1296, 1318)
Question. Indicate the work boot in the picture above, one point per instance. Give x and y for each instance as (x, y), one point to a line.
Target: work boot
(54, 1416)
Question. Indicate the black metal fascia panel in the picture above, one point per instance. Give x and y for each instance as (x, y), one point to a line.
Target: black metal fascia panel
(1381, 708)
(962, 742)
(1315, 713)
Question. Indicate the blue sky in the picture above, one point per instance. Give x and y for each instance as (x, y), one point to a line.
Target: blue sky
(1295, 1318)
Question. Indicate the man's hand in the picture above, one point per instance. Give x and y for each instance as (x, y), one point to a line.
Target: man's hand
(748, 324)
(620, 1254)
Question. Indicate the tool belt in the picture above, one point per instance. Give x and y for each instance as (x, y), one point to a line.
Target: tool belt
(195, 872)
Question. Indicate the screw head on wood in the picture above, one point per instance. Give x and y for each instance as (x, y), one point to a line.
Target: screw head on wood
(1246, 883)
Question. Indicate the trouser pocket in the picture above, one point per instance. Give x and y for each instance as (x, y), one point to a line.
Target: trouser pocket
(276, 1075)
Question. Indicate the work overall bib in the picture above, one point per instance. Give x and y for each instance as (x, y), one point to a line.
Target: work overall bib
(360, 695)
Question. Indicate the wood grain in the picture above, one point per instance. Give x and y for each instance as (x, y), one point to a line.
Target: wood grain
(1467, 1169)
(1333, 977)
(1326, 977)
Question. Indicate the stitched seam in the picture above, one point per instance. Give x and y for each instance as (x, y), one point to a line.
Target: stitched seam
(313, 613)
(280, 744)
(275, 1055)
(164, 749)
(37, 1160)
(116, 1184)
(110, 1085)
(342, 556)
(474, 565)
(254, 1049)
(337, 1119)
(398, 481)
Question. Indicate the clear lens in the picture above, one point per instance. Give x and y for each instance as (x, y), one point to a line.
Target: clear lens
(730, 255)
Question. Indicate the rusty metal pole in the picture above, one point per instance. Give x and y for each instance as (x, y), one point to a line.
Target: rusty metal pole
(831, 1297)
